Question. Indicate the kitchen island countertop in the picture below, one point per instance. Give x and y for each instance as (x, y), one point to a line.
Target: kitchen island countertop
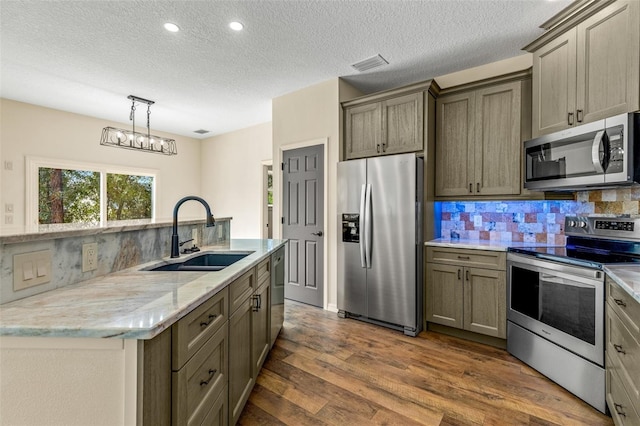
(129, 304)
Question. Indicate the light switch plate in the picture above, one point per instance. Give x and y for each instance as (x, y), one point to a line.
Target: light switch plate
(31, 269)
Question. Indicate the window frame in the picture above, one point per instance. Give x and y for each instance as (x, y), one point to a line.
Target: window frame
(31, 186)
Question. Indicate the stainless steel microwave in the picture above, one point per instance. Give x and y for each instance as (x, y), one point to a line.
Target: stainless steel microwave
(600, 154)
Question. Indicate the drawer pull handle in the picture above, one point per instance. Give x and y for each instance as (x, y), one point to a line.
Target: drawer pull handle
(619, 349)
(620, 302)
(459, 271)
(467, 274)
(206, 323)
(256, 306)
(464, 257)
(619, 410)
(211, 374)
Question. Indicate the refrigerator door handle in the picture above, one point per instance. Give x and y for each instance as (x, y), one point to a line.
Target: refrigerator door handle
(363, 261)
(368, 225)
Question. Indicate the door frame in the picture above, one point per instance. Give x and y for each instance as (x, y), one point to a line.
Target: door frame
(325, 147)
(265, 164)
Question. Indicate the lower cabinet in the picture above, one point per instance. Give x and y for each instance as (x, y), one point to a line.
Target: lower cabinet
(623, 355)
(466, 289)
(249, 339)
(201, 371)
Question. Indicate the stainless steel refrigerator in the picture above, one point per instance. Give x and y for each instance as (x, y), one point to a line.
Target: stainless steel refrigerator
(380, 249)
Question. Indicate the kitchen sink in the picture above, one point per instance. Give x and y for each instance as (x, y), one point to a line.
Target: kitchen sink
(209, 261)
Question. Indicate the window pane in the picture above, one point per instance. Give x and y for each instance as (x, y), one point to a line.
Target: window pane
(129, 197)
(68, 197)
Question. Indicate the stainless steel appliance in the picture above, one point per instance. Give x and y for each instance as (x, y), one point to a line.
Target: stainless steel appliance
(594, 155)
(555, 302)
(380, 248)
(277, 292)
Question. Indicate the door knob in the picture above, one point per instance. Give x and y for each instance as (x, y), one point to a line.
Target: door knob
(319, 233)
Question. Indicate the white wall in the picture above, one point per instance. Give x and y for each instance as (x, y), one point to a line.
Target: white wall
(30, 130)
(232, 177)
(300, 118)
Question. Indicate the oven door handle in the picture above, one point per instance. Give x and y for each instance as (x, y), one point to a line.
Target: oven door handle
(559, 280)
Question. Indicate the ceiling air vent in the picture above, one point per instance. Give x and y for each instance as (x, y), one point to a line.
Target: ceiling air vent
(201, 131)
(369, 63)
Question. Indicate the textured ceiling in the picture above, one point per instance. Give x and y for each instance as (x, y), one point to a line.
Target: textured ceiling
(87, 56)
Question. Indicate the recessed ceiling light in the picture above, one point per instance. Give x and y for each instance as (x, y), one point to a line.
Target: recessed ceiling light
(236, 26)
(171, 27)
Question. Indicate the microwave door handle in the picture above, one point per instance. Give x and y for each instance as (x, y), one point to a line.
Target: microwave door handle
(595, 152)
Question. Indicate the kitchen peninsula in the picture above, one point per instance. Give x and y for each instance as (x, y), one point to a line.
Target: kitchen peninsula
(130, 347)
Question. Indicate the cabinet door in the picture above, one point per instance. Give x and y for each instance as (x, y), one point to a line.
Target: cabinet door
(260, 326)
(485, 299)
(240, 364)
(454, 135)
(363, 131)
(497, 140)
(444, 294)
(402, 124)
(554, 85)
(608, 60)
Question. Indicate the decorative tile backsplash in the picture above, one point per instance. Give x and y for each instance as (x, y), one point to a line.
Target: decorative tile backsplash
(530, 221)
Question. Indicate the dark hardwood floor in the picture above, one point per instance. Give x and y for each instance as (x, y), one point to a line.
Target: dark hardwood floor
(324, 370)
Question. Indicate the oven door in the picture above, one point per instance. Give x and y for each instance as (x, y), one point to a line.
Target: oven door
(561, 303)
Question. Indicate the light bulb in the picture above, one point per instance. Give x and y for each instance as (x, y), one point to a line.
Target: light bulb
(236, 26)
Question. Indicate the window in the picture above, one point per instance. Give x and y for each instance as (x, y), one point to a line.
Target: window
(65, 195)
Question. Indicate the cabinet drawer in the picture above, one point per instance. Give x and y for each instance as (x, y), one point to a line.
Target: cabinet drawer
(627, 308)
(263, 271)
(240, 289)
(218, 415)
(618, 401)
(624, 353)
(201, 381)
(192, 331)
(465, 257)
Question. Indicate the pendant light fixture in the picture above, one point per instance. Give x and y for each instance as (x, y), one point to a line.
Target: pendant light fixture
(130, 139)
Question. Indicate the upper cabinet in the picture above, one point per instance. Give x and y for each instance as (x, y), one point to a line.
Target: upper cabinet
(587, 66)
(479, 133)
(385, 123)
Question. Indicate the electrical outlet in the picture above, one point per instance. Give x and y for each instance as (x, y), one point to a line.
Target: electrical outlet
(89, 257)
(8, 219)
(8, 208)
(194, 235)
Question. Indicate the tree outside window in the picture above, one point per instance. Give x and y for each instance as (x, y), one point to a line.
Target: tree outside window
(71, 198)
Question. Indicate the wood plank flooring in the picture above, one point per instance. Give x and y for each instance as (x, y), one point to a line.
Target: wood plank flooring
(324, 370)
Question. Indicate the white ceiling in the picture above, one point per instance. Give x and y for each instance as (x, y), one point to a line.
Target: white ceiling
(87, 56)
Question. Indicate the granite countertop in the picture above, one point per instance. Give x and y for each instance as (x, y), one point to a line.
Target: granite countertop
(483, 244)
(129, 304)
(627, 276)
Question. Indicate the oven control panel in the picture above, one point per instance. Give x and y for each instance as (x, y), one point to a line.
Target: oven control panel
(611, 227)
(615, 226)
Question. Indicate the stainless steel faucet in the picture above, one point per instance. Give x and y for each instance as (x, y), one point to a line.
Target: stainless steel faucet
(175, 245)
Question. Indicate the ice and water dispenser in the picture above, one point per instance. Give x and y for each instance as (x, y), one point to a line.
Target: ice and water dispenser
(350, 227)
